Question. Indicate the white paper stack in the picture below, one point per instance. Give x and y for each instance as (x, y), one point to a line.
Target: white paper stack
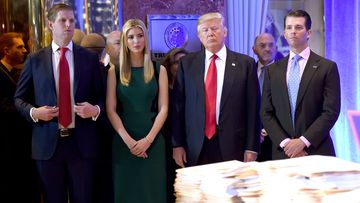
(311, 179)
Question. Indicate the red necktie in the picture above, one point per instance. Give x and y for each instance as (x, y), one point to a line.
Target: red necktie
(210, 99)
(64, 90)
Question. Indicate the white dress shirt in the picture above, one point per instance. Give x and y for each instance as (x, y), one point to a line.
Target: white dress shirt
(305, 54)
(220, 68)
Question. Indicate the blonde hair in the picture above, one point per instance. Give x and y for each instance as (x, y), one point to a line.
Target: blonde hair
(124, 59)
(210, 16)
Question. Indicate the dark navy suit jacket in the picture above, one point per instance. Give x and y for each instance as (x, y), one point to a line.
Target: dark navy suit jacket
(238, 127)
(36, 88)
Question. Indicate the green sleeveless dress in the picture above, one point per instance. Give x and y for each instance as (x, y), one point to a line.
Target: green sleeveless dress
(138, 180)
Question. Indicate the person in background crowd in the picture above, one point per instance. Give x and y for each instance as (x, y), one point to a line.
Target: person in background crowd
(137, 106)
(215, 110)
(60, 93)
(301, 96)
(170, 62)
(113, 46)
(103, 175)
(265, 49)
(18, 178)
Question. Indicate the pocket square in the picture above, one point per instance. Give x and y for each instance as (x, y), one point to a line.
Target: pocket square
(315, 67)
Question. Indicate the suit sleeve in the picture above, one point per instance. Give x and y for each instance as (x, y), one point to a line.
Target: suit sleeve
(177, 109)
(253, 105)
(24, 91)
(320, 128)
(267, 112)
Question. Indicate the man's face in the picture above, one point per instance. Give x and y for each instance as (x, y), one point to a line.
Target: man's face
(113, 46)
(265, 48)
(63, 27)
(16, 53)
(212, 35)
(295, 33)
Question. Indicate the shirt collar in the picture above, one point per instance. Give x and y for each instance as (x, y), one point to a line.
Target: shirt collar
(260, 65)
(304, 54)
(55, 47)
(7, 66)
(221, 53)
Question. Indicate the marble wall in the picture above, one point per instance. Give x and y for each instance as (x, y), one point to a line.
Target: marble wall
(141, 8)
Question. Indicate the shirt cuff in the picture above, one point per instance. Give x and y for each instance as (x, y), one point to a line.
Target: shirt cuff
(34, 119)
(251, 151)
(284, 142)
(94, 118)
(305, 141)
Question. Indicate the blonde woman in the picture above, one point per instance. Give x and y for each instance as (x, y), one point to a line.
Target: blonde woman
(137, 107)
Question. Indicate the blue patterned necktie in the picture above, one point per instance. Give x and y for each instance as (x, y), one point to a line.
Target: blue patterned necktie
(261, 77)
(293, 84)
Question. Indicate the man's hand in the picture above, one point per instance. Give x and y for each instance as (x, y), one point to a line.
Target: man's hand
(86, 110)
(249, 156)
(45, 113)
(294, 147)
(302, 153)
(179, 155)
(263, 134)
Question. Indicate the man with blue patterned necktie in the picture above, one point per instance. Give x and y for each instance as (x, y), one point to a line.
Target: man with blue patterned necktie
(265, 49)
(301, 96)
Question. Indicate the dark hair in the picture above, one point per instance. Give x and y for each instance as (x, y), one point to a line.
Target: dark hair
(6, 40)
(299, 13)
(169, 60)
(54, 10)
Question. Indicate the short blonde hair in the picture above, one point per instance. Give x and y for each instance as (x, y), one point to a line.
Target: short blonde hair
(124, 59)
(210, 16)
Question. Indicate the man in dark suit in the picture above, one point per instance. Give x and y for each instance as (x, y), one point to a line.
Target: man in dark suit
(17, 172)
(60, 92)
(216, 101)
(301, 96)
(265, 49)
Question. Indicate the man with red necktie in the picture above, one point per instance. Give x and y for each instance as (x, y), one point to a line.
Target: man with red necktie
(60, 91)
(215, 113)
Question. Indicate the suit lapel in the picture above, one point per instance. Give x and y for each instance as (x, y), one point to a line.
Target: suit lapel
(310, 69)
(283, 88)
(77, 66)
(199, 71)
(49, 69)
(231, 65)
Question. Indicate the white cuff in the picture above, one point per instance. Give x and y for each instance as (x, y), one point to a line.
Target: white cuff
(284, 142)
(34, 119)
(94, 118)
(306, 142)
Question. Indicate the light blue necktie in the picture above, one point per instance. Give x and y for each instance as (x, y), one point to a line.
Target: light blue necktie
(293, 84)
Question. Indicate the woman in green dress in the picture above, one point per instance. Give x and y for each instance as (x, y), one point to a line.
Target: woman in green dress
(137, 107)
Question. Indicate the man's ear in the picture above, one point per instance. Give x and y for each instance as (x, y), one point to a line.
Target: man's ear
(6, 50)
(309, 34)
(50, 25)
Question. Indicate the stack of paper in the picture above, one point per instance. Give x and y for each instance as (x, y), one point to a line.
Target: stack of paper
(207, 183)
(311, 179)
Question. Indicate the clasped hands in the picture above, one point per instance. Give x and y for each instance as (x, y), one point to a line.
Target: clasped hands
(295, 148)
(46, 113)
(138, 148)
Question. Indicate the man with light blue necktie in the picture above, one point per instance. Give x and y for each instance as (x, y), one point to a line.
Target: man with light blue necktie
(301, 96)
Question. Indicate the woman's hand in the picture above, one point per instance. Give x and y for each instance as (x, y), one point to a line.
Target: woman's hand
(140, 147)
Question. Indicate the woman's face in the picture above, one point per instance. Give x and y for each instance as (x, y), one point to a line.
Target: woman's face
(136, 40)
